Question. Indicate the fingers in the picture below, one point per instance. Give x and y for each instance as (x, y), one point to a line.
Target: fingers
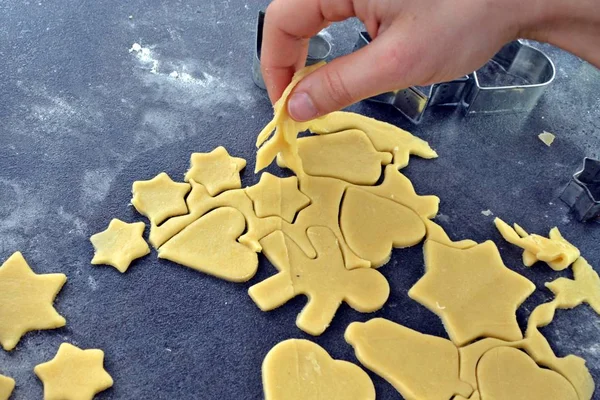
(289, 24)
(376, 68)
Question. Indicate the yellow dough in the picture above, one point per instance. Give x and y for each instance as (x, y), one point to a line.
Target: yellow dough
(506, 373)
(301, 370)
(324, 280)
(554, 251)
(160, 198)
(7, 385)
(372, 225)
(347, 155)
(420, 367)
(210, 245)
(436, 233)
(217, 170)
(384, 137)
(119, 244)
(74, 374)
(472, 291)
(274, 196)
(569, 294)
(26, 300)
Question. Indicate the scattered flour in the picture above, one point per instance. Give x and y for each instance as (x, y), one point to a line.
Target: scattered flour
(144, 54)
(487, 213)
(92, 283)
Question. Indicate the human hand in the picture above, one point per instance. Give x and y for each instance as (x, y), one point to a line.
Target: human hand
(414, 43)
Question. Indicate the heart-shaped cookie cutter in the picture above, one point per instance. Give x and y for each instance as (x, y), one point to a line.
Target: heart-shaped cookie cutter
(582, 193)
(482, 92)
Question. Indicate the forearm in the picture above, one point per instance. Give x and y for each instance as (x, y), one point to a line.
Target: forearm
(571, 25)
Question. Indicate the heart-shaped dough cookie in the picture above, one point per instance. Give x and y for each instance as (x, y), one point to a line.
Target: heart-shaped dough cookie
(210, 245)
(505, 373)
(373, 225)
(302, 370)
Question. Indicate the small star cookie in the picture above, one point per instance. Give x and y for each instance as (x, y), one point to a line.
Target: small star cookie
(119, 244)
(217, 170)
(74, 374)
(274, 196)
(472, 291)
(160, 198)
(7, 385)
(26, 300)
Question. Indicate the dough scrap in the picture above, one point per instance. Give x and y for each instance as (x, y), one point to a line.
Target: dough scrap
(119, 244)
(160, 198)
(372, 225)
(74, 374)
(436, 233)
(419, 366)
(274, 196)
(347, 155)
(26, 300)
(585, 288)
(472, 291)
(302, 370)
(554, 251)
(217, 170)
(210, 245)
(7, 385)
(505, 373)
(324, 280)
(384, 137)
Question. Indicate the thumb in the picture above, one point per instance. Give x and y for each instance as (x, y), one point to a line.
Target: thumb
(374, 69)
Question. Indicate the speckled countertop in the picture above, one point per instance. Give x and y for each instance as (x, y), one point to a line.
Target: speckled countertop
(81, 118)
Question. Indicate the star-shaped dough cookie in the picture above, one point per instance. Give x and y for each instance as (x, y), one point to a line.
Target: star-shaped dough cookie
(274, 196)
(217, 170)
(26, 300)
(160, 198)
(6, 387)
(74, 374)
(119, 244)
(472, 291)
(584, 289)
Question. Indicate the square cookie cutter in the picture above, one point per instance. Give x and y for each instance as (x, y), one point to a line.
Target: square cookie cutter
(582, 194)
(319, 48)
(529, 71)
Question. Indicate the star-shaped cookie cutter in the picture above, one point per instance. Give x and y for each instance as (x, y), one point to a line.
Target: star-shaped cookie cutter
(582, 194)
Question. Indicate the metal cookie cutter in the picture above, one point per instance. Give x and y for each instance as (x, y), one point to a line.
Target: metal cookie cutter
(512, 81)
(319, 49)
(414, 101)
(582, 194)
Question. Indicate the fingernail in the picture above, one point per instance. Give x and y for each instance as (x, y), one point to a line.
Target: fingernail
(301, 107)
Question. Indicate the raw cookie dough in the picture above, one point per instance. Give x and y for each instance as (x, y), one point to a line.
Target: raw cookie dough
(210, 245)
(301, 370)
(554, 251)
(324, 280)
(7, 386)
(26, 300)
(347, 155)
(372, 225)
(436, 233)
(274, 196)
(420, 367)
(569, 294)
(472, 291)
(217, 170)
(506, 373)
(74, 374)
(119, 244)
(385, 137)
(160, 198)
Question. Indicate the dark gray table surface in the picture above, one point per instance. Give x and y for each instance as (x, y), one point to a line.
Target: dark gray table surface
(81, 118)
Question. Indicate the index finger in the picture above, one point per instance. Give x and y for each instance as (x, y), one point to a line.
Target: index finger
(289, 24)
